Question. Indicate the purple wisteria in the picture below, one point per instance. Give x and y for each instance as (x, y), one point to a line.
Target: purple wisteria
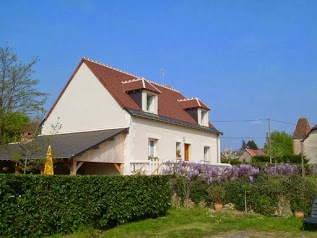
(210, 173)
(282, 169)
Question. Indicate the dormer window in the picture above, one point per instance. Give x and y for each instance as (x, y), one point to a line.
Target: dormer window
(204, 117)
(150, 102)
(197, 110)
(144, 93)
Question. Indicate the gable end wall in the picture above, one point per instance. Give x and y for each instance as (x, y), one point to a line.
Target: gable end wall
(85, 105)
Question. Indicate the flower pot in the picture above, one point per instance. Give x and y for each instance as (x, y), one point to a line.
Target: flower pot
(218, 206)
(299, 214)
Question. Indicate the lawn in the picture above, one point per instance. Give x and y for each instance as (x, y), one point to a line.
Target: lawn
(198, 222)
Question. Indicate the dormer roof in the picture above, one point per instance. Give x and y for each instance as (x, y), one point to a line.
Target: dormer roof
(189, 103)
(139, 84)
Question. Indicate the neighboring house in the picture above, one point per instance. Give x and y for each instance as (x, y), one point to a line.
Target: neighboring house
(310, 145)
(301, 130)
(107, 121)
(248, 154)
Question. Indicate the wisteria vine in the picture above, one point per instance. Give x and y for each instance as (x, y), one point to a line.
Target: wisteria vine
(213, 173)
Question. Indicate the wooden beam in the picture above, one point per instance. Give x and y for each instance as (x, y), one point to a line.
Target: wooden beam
(79, 165)
(73, 170)
(119, 168)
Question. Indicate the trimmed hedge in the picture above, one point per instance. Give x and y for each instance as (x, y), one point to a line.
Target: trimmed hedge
(263, 194)
(293, 159)
(38, 205)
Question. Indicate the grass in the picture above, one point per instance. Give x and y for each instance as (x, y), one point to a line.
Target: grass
(198, 222)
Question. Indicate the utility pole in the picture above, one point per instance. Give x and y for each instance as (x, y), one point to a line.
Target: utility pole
(302, 157)
(269, 140)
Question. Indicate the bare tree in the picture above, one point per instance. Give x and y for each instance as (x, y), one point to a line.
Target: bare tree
(20, 99)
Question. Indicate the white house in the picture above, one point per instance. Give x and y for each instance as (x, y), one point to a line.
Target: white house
(107, 121)
(310, 145)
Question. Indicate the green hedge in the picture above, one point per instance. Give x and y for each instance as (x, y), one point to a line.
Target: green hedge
(293, 159)
(37, 205)
(262, 194)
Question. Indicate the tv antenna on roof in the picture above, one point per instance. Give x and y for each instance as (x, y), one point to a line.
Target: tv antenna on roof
(163, 75)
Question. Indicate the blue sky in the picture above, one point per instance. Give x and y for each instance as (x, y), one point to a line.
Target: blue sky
(245, 59)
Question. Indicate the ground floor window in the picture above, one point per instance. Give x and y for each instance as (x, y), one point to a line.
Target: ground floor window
(178, 150)
(152, 149)
(206, 153)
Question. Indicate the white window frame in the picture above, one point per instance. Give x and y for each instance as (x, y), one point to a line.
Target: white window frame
(206, 153)
(150, 106)
(204, 117)
(178, 148)
(152, 150)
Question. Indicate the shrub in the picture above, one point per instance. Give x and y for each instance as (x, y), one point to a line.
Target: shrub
(293, 159)
(37, 205)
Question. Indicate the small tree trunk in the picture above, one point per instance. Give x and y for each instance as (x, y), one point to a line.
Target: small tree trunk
(245, 201)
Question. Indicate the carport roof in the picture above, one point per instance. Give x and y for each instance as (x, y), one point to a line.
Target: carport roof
(64, 146)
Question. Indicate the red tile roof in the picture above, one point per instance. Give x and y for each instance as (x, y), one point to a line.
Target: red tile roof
(116, 82)
(193, 103)
(255, 152)
(302, 128)
(313, 128)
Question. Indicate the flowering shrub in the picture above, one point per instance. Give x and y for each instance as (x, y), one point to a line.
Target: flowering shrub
(282, 169)
(210, 173)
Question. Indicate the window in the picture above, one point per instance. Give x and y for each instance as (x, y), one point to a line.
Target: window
(204, 118)
(178, 150)
(152, 148)
(150, 102)
(206, 153)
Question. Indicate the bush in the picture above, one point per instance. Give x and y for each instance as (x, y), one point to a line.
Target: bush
(293, 159)
(37, 205)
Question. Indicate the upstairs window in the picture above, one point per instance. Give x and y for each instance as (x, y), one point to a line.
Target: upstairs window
(150, 102)
(204, 118)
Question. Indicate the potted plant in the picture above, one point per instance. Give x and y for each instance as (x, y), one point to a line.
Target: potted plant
(217, 193)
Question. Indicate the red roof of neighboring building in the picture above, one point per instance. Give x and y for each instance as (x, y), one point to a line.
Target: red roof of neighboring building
(117, 83)
(313, 128)
(302, 128)
(255, 152)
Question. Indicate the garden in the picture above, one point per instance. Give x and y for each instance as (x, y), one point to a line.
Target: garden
(180, 203)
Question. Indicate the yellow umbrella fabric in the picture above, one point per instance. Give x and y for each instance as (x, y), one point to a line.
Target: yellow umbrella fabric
(48, 168)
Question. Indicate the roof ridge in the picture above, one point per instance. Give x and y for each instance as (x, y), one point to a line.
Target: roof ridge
(111, 67)
(186, 99)
(198, 101)
(164, 86)
(153, 85)
(131, 80)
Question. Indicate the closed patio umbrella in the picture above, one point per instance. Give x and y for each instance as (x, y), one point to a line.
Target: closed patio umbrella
(48, 168)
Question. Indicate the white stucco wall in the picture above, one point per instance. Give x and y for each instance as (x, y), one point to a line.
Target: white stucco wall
(297, 146)
(310, 147)
(85, 105)
(167, 135)
(111, 151)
